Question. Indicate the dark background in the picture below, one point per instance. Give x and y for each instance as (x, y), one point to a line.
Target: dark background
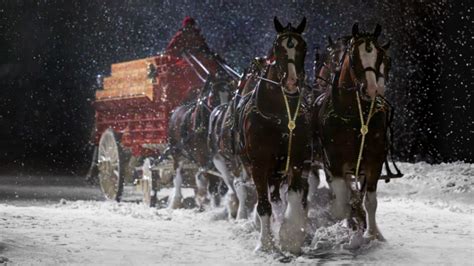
(51, 51)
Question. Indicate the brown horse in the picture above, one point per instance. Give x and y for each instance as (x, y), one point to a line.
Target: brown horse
(276, 137)
(187, 136)
(342, 115)
(223, 145)
(327, 63)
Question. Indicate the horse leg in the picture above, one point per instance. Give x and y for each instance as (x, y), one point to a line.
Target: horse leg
(246, 193)
(293, 228)
(340, 203)
(313, 185)
(231, 198)
(264, 210)
(278, 206)
(213, 188)
(358, 211)
(175, 201)
(200, 192)
(370, 204)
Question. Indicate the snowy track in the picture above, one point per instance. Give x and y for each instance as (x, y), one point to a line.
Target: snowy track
(101, 232)
(422, 226)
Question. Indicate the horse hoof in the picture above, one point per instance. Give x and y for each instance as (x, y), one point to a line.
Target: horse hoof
(290, 240)
(374, 236)
(232, 205)
(242, 214)
(356, 241)
(175, 203)
(267, 247)
(381, 238)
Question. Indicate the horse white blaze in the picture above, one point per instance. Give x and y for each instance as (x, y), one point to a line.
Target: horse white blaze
(293, 228)
(381, 80)
(292, 77)
(368, 59)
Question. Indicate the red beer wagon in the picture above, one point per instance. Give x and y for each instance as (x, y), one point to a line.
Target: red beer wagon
(131, 120)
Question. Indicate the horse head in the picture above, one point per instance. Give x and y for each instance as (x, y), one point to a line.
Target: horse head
(288, 54)
(367, 60)
(220, 90)
(329, 62)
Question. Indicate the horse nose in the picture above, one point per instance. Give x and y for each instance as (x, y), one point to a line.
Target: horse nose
(291, 80)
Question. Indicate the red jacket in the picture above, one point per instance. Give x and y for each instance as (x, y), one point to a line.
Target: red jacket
(188, 39)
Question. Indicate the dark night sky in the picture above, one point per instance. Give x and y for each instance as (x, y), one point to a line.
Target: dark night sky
(51, 51)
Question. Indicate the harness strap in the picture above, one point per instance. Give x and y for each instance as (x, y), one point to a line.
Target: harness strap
(364, 129)
(291, 125)
(377, 73)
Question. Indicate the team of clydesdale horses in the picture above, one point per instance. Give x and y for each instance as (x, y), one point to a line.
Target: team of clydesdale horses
(263, 133)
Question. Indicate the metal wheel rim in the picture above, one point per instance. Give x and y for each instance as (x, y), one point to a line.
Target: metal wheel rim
(109, 165)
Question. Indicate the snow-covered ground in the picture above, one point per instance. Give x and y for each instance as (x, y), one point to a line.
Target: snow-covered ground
(426, 217)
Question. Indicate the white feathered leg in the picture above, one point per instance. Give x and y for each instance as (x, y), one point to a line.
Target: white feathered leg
(242, 193)
(201, 189)
(370, 204)
(265, 242)
(231, 197)
(340, 206)
(293, 228)
(175, 201)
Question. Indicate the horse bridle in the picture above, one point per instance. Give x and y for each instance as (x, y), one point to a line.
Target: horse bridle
(379, 61)
(281, 74)
(204, 99)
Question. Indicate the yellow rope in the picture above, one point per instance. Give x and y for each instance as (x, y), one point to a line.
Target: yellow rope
(291, 125)
(364, 129)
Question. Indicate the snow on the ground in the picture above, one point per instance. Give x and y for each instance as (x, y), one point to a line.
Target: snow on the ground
(425, 216)
(89, 232)
(447, 185)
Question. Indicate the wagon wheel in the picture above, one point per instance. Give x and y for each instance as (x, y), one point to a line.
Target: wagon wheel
(110, 160)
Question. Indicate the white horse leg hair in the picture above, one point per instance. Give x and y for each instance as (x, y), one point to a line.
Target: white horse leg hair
(370, 204)
(293, 228)
(242, 193)
(231, 198)
(201, 188)
(265, 242)
(175, 201)
(340, 207)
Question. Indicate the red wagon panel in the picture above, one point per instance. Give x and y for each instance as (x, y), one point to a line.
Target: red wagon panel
(138, 96)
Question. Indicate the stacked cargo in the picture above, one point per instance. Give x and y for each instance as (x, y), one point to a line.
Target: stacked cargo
(129, 80)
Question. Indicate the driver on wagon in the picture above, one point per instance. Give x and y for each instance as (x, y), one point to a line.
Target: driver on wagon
(189, 38)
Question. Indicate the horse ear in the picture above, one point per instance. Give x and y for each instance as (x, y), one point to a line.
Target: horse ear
(386, 45)
(330, 41)
(302, 25)
(355, 30)
(377, 30)
(278, 27)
